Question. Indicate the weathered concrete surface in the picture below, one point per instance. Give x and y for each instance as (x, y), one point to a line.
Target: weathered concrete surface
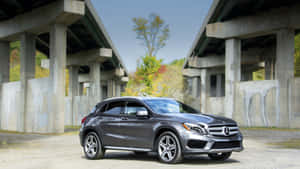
(36, 152)
(27, 72)
(285, 70)
(233, 73)
(58, 57)
(38, 20)
(256, 25)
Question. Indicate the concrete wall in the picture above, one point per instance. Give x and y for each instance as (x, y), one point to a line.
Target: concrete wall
(82, 105)
(215, 105)
(295, 107)
(10, 106)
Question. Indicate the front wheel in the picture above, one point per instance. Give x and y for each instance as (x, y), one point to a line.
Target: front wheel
(169, 148)
(219, 156)
(92, 146)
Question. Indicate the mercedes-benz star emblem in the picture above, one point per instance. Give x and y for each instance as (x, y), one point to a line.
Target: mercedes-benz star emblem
(226, 131)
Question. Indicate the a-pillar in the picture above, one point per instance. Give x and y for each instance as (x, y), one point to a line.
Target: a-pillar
(95, 77)
(58, 56)
(232, 73)
(285, 71)
(4, 68)
(27, 72)
(205, 87)
(73, 88)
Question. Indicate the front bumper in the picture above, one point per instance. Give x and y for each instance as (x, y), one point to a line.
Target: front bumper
(211, 144)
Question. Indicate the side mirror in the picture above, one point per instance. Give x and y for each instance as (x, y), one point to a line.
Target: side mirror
(142, 114)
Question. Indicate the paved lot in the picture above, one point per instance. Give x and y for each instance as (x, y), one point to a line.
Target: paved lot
(54, 152)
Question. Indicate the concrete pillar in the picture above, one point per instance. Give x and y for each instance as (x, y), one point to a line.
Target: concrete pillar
(205, 87)
(4, 61)
(232, 73)
(73, 81)
(73, 89)
(27, 72)
(4, 67)
(219, 85)
(80, 90)
(95, 77)
(285, 71)
(58, 56)
(111, 88)
(195, 87)
(118, 88)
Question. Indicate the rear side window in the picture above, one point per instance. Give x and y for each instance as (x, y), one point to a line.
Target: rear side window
(114, 108)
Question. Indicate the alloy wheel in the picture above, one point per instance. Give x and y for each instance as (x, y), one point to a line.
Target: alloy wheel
(167, 148)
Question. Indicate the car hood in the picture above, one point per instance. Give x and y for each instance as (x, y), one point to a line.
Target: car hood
(202, 118)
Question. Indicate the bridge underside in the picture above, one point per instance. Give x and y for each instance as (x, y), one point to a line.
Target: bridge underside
(71, 35)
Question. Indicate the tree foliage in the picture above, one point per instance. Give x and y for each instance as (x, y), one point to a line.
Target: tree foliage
(152, 31)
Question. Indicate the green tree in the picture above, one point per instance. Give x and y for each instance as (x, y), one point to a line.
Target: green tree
(153, 32)
(147, 72)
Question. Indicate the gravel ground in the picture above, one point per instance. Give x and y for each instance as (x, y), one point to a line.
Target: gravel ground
(54, 152)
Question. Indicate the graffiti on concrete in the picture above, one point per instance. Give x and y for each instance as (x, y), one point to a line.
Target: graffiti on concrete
(250, 89)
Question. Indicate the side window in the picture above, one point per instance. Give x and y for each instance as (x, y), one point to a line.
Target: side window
(133, 107)
(115, 108)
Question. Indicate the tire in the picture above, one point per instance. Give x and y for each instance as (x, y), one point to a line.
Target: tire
(219, 156)
(169, 148)
(92, 147)
(140, 153)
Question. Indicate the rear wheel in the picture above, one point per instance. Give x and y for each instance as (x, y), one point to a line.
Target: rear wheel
(169, 148)
(92, 146)
(219, 156)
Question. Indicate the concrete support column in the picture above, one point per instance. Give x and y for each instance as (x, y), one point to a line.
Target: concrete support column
(285, 71)
(27, 72)
(4, 68)
(73, 89)
(95, 77)
(111, 88)
(195, 87)
(219, 85)
(118, 88)
(58, 56)
(232, 73)
(205, 87)
(73, 81)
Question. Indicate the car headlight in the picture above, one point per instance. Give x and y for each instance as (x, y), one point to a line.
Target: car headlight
(198, 128)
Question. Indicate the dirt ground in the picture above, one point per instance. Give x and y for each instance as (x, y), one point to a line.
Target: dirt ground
(64, 151)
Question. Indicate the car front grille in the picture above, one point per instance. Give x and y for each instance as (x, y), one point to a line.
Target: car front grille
(224, 145)
(223, 131)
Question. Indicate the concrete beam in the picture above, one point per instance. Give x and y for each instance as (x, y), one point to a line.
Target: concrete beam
(86, 57)
(211, 61)
(124, 79)
(39, 20)
(27, 72)
(58, 56)
(191, 72)
(256, 25)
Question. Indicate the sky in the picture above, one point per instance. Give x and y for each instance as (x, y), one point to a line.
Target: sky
(184, 18)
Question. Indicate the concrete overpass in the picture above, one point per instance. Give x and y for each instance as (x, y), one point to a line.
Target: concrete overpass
(72, 35)
(236, 39)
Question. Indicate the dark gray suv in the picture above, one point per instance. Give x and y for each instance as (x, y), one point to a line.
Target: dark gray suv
(162, 125)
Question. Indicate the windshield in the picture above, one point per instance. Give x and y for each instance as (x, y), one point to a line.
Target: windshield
(163, 106)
